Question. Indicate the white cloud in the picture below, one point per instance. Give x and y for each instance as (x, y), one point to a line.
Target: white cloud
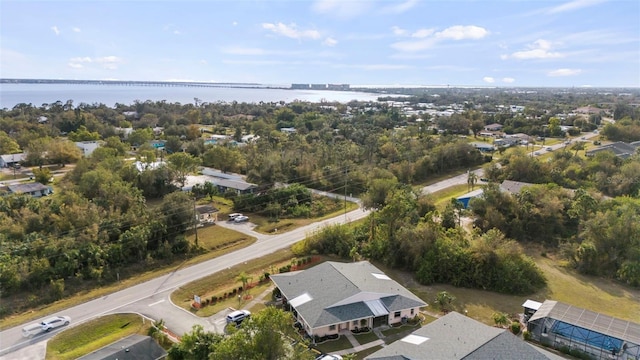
(488, 79)
(429, 38)
(540, 49)
(330, 41)
(340, 8)
(564, 72)
(55, 30)
(399, 8)
(373, 66)
(508, 80)
(85, 59)
(203, 62)
(398, 31)
(107, 62)
(291, 31)
(234, 23)
(460, 32)
(76, 29)
(422, 33)
(574, 5)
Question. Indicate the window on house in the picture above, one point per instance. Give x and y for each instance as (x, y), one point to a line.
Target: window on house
(412, 311)
(332, 327)
(396, 314)
(355, 322)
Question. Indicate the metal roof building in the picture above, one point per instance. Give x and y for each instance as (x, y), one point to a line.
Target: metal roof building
(603, 337)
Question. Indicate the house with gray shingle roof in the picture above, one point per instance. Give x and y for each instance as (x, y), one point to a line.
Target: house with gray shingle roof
(332, 297)
(620, 149)
(456, 337)
(34, 189)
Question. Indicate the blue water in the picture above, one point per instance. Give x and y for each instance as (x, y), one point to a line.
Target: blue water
(38, 94)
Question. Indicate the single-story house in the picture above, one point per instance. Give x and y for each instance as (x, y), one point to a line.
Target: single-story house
(288, 130)
(124, 132)
(34, 189)
(333, 297)
(620, 149)
(483, 147)
(513, 187)
(561, 325)
(9, 160)
(466, 198)
(456, 336)
(493, 127)
(133, 347)
(206, 213)
(87, 147)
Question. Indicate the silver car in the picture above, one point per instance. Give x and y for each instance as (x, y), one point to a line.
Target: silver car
(55, 322)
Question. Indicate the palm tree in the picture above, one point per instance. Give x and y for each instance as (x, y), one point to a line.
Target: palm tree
(444, 300)
(244, 279)
(500, 319)
(472, 179)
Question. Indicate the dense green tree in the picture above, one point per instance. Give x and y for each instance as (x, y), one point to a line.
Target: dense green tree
(7, 144)
(182, 164)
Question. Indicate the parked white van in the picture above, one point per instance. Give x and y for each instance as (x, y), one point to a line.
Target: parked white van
(31, 330)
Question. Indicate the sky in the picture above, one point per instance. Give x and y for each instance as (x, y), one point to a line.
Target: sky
(504, 43)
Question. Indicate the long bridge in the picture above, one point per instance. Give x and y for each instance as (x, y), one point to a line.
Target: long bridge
(142, 83)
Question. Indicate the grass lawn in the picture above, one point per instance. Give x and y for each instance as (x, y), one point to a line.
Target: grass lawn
(444, 196)
(216, 239)
(93, 335)
(364, 353)
(365, 338)
(225, 281)
(331, 346)
(265, 226)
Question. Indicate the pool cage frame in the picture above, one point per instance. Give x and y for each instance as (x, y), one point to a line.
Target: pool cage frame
(559, 334)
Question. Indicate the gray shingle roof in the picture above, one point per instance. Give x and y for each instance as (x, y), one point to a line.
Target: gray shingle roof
(620, 149)
(133, 347)
(338, 292)
(607, 325)
(455, 336)
(27, 188)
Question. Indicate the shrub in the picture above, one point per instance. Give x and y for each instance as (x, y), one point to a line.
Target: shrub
(515, 328)
(526, 335)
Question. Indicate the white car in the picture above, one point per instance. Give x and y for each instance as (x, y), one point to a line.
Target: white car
(329, 357)
(241, 218)
(238, 316)
(234, 216)
(55, 322)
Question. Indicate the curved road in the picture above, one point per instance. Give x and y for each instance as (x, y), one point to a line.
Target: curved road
(155, 292)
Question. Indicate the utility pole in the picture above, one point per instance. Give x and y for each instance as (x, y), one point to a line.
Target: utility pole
(345, 194)
(195, 219)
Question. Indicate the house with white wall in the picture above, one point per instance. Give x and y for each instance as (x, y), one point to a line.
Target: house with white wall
(335, 297)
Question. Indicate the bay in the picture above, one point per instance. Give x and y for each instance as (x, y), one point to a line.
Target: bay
(38, 94)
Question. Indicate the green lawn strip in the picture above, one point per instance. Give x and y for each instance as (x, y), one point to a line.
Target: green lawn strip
(266, 226)
(211, 237)
(330, 346)
(93, 335)
(364, 353)
(224, 281)
(365, 338)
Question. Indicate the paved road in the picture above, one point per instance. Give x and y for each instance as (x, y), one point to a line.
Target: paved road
(157, 290)
(456, 180)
